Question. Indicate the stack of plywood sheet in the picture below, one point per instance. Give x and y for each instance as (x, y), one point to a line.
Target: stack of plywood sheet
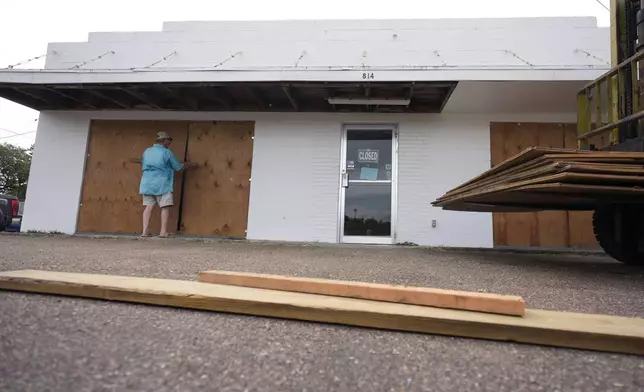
(551, 179)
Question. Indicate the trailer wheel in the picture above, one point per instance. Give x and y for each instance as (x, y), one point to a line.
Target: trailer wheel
(619, 230)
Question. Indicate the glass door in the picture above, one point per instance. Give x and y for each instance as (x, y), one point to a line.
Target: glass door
(368, 171)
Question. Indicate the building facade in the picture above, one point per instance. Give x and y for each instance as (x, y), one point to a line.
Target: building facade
(315, 131)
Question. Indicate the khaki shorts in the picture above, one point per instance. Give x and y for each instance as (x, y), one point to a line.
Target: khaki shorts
(164, 200)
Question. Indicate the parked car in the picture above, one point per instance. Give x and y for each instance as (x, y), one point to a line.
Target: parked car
(9, 207)
(16, 222)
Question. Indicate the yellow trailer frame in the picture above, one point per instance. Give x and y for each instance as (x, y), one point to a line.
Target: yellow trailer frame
(598, 110)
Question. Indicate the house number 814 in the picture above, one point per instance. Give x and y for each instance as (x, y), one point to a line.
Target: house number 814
(367, 75)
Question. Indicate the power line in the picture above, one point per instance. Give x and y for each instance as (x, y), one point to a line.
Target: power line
(602, 4)
(17, 134)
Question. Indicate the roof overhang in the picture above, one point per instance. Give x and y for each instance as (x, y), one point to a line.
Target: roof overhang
(307, 74)
(294, 96)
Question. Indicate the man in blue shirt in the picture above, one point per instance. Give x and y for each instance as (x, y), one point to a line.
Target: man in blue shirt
(157, 181)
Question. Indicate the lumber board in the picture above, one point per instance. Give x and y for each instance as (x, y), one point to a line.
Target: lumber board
(452, 299)
(584, 189)
(550, 196)
(551, 328)
(527, 155)
(603, 168)
(534, 171)
(571, 163)
(538, 154)
(578, 191)
(577, 178)
(539, 166)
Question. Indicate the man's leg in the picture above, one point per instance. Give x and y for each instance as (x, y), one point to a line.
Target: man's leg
(165, 218)
(148, 202)
(165, 202)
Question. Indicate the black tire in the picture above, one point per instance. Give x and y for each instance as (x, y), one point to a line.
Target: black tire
(619, 230)
(2, 226)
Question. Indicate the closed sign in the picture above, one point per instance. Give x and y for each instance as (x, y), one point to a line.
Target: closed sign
(368, 156)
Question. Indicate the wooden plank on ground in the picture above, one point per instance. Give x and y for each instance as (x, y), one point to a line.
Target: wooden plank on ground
(573, 330)
(480, 302)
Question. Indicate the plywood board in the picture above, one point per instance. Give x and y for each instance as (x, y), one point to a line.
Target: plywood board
(589, 180)
(601, 168)
(552, 226)
(110, 200)
(534, 153)
(582, 235)
(499, 164)
(574, 330)
(508, 140)
(563, 177)
(451, 299)
(518, 149)
(216, 193)
(555, 193)
(537, 168)
(608, 190)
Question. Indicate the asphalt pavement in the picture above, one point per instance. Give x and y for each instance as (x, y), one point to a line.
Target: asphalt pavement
(50, 343)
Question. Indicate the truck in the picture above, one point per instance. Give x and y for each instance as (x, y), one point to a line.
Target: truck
(9, 209)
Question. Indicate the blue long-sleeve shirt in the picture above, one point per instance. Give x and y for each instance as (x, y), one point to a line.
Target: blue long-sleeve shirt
(159, 165)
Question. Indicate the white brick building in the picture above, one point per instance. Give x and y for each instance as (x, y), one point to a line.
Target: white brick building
(413, 100)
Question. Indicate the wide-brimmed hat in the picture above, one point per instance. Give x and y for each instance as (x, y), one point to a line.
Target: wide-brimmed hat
(163, 136)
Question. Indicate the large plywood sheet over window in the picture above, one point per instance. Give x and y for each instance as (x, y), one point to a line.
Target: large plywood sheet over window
(211, 201)
(547, 229)
(216, 193)
(110, 201)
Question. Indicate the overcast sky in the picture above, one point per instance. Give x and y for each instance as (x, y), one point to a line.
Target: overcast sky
(27, 26)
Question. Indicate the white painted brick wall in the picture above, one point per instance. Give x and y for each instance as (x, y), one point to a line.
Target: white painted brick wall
(295, 179)
(385, 43)
(296, 166)
(434, 156)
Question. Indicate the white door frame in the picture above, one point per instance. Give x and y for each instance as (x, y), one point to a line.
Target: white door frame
(394, 184)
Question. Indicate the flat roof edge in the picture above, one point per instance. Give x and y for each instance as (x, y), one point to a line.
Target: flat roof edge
(45, 76)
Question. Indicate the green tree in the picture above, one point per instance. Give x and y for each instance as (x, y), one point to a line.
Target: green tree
(14, 169)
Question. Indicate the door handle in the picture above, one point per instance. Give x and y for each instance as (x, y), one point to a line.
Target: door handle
(345, 179)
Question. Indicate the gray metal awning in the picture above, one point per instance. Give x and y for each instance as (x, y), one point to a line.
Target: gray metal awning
(423, 97)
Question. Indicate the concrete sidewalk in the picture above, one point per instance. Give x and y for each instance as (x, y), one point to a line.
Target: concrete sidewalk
(65, 344)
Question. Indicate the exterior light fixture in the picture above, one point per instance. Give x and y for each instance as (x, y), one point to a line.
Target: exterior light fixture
(368, 101)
